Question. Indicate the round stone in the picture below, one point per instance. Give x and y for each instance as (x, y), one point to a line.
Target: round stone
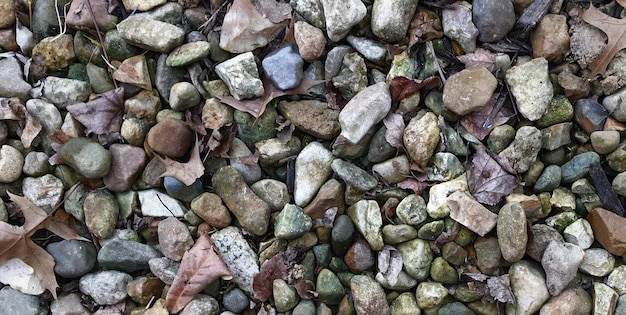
(171, 137)
(11, 164)
(72, 258)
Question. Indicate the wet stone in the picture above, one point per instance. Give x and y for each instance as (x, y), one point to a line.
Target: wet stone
(284, 67)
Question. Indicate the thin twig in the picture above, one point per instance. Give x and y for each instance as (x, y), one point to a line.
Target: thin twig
(213, 16)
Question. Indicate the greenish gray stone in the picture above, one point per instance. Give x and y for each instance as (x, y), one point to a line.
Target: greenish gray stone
(368, 220)
(88, 158)
(488, 255)
(421, 137)
(150, 34)
(455, 308)
(379, 149)
(455, 141)
(354, 175)
(402, 65)
(512, 235)
(312, 117)
(329, 288)
(126, 256)
(345, 149)
(398, 233)
(464, 294)
(241, 75)
(117, 48)
(342, 234)
(285, 297)
(561, 220)
(87, 51)
(563, 199)
(292, 222)
(368, 295)
(560, 110)
(554, 157)
(305, 307)
(484, 308)
(431, 230)
(253, 130)
(273, 192)
(352, 77)
(403, 283)
(530, 85)
(522, 152)
(500, 137)
(556, 136)
(101, 213)
(578, 166)
(442, 272)
(416, 257)
(405, 304)
(310, 10)
(188, 53)
(444, 166)
(434, 102)
(430, 294)
(620, 307)
(549, 180)
(412, 210)
(323, 254)
(617, 158)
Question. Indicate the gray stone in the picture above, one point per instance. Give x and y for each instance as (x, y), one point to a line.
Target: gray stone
(416, 257)
(512, 234)
(101, 213)
(235, 301)
(48, 116)
(341, 17)
(470, 213)
(167, 76)
(313, 168)
(549, 180)
(617, 279)
(614, 103)
(174, 238)
(457, 24)
(238, 256)
(529, 288)
(560, 261)
(150, 34)
(405, 304)
(241, 75)
(437, 206)
(164, 268)
(352, 76)
(105, 287)
(412, 210)
(597, 262)
(310, 10)
(284, 67)
(390, 19)
(183, 95)
(455, 308)
(334, 60)
(72, 258)
(354, 175)
(305, 307)
(542, 236)
(36, 164)
(488, 255)
(368, 295)
(312, 117)
(469, 90)
(68, 304)
(494, 19)
(285, 297)
(604, 142)
(444, 166)
(393, 170)
(202, 305)
(12, 83)
(522, 152)
(15, 302)
(556, 136)
(329, 288)
(273, 192)
(579, 233)
(62, 92)
(250, 172)
(342, 235)
(578, 166)
(127, 256)
(370, 49)
(531, 87)
(170, 12)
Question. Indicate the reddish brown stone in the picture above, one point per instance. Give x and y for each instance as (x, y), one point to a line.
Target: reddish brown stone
(171, 137)
(608, 229)
(330, 195)
(143, 289)
(359, 257)
(127, 163)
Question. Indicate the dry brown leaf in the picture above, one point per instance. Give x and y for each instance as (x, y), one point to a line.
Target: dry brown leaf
(186, 172)
(614, 28)
(395, 130)
(413, 184)
(102, 115)
(275, 11)
(79, 15)
(488, 181)
(252, 159)
(276, 267)
(479, 58)
(475, 121)
(11, 110)
(284, 130)
(401, 87)
(200, 266)
(305, 289)
(256, 106)
(425, 26)
(218, 143)
(134, 70)
(15, 241)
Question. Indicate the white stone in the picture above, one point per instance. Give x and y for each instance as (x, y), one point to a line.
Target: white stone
(529, 288)
(157, 204)
(604, 299)
(530, 85)
(341, 16)
(437, 207)
(313, 168)
(241, 75)
(617, 279)
(238, 256)
(63, 92)
(579, 233)
(364, 110)
(597, 262)
(20, 276)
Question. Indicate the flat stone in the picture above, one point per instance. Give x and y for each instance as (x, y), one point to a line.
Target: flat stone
(578, 166)
(126, 256)
(150, 34)
(512, 234)
(354, 175)
(62, 91)
(470, 213)
(157, 204)
(72, 258)
(531, 87)
(313, 117)
(608, 230)
(188, 53)
(245, 28)
(597, 262)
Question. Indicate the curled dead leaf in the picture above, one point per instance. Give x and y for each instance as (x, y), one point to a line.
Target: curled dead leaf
(488, 181)
(101, 115)
(200, 266)
(187, 172)
(395, 130)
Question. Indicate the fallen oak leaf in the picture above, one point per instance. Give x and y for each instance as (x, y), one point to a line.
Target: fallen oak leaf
(479, 58)
(274, 268)
(413, 184)
(401, 87)
(15, 110)
(186, 172)
(488, 181)
(425, 26)
(614, 28)
(200, 266)
(256, 106)
(218, 143)
(474, 122)
(16, 242)
(102, 115)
